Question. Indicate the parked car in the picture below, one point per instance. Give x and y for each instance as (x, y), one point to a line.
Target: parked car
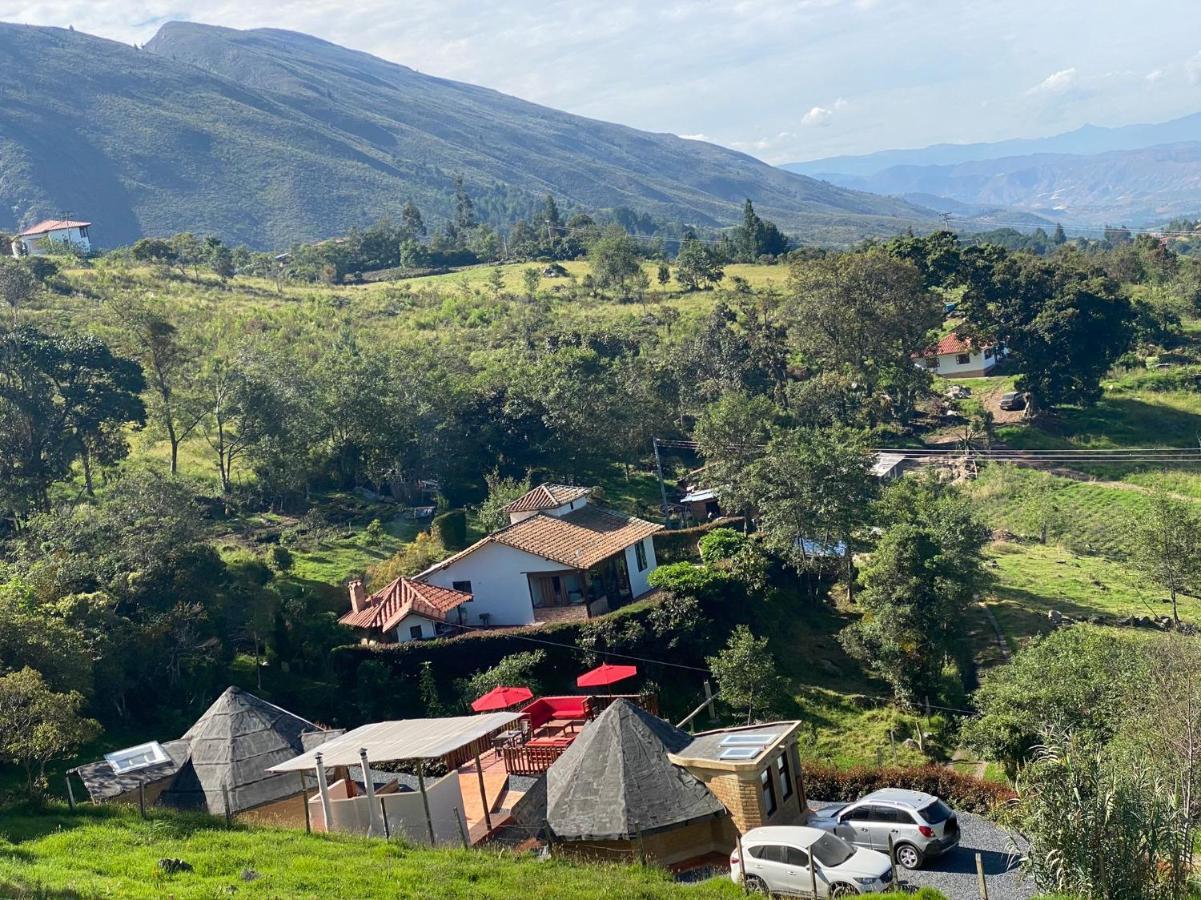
(921, 825)
(1013, 400)
(776, 858)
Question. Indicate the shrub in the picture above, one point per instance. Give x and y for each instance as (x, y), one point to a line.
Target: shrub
(961, 791)
(681, 544)
(423, 552)
(281, 558)
(374, 531)
(450, 529)
(721, 543)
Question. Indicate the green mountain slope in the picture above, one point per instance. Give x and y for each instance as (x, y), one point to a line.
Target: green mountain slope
(267, 137)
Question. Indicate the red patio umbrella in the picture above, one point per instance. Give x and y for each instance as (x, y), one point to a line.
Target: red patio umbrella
(501, 698)
(605, 675)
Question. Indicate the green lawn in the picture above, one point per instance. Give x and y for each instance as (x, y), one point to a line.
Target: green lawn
(110, 852)
(1033, 579)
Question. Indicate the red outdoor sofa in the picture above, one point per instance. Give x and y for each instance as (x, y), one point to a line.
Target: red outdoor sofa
(546, 709)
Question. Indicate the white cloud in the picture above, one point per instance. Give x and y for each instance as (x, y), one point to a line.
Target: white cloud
(696, 137)
(1154, 75)
(820, 115)
(1055, 83)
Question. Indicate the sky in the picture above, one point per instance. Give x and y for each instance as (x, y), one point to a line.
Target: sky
(785, 81)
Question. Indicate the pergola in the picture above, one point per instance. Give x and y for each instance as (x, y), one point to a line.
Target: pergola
(403, 740)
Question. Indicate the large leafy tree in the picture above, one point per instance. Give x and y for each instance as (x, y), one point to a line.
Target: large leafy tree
(62, 399)
(38, 725)
(747, 679)
(616, 262)
(1168, 546)
(698, 266)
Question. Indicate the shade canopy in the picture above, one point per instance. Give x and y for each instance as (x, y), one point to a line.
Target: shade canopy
(402, 739)
(501, 698)
(605, 674)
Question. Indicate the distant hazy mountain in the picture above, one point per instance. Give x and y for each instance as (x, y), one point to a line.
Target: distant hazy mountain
(267, 137)
(1134, 187)
(1088, 139)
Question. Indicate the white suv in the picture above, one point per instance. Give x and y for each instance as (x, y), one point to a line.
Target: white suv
(920, 825)
(776, 859)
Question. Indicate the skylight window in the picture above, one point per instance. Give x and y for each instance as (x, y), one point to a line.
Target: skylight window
(132, 759)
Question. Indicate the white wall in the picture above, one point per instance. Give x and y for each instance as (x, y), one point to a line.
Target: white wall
(638, 580)
(499, 583)
(406, 813)
(427, 627)
(948, 363)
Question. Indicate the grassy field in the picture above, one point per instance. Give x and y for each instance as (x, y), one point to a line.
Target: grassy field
(1033, 579)
(110, 852)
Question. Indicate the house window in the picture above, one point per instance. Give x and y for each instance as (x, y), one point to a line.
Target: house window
(83, 231)
(963, 359)
(769, 792)
(784, 775)
(415, 632)
(462, 586)
(640, 555)
(988, 352)
(932, 362)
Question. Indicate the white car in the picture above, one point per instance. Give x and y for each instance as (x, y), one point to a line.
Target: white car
(776, 860)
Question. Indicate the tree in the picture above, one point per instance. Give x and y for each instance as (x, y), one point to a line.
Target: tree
(515, 670)
(864, 315)
(1073, 680)
(154, 250)
(17, 284)
(62, 399)
(1168, 546)
(698, 266)
(1059, 238)
(243, 410)
(220, 258)
(502, 491)
(465, 218)
(615, 261)
(530, 279)
(413, 254)
(663, 275)
(747, 680)
(730, 435)
(38, 725)
(916, 589)
(170, 361)
(411, 221)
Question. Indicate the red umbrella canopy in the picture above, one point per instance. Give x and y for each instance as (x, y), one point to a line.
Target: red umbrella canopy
(501, 698)
(605, 674)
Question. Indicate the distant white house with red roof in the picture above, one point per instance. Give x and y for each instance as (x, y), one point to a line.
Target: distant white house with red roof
(959, 357)
(36, 239)
(560, 557)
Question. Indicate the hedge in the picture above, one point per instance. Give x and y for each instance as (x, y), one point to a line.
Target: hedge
(451, 529)
(960, 791)
(681, 544)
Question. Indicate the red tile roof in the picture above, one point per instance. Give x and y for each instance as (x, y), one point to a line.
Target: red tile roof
(52, 225)
(387, 608)
(547, 496)
(953, 343)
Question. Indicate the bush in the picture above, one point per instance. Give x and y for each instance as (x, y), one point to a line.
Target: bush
(681, 544)
(281, 558)
(450, 529)
(961, 791)
(721, 543)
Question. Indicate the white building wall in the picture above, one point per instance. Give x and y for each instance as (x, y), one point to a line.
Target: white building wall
(639, 583)
(499, 583)
(428, 627)
(406, 813)
(949, 365)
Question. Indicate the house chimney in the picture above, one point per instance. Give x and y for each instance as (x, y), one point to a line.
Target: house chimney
(358, 595)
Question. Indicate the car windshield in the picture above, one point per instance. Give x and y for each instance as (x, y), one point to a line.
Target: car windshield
(1009, 396)
(936, 812)
(831, 851)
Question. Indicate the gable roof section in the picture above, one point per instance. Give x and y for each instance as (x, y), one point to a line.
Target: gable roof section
(616, 782)
(547, 496)
(388, 607)
(231, 747)
(953, 343)
(102, 783)
(49, 225)
(579, 539)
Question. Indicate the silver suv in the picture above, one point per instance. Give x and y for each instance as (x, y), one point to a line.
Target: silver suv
(920, 825)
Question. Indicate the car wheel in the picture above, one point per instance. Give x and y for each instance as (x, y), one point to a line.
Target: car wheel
(908, 856)
(755, 885)
(842, 889)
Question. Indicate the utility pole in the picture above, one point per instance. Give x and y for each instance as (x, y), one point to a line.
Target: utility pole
(659, 472)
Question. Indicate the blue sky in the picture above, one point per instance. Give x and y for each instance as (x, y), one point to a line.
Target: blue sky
(781, 80)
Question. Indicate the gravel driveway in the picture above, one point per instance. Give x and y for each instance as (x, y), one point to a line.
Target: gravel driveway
(954, 873)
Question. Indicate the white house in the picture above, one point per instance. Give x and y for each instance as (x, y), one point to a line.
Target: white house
(560, 557)
(33, 241)
(959, 357)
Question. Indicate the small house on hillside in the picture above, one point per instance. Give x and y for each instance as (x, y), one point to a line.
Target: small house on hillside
(219, 766)
(959, 357)
(36, 239)
(560, 557)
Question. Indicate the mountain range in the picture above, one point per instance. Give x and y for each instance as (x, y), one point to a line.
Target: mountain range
(1135, 174)
(267, 137)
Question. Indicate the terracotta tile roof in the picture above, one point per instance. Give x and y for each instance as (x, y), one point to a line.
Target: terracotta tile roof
(52, 225)
(386, 608)
(953, 343)
(547, 496)
(579, 539)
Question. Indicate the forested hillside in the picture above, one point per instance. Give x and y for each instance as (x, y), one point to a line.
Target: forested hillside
(269, 137)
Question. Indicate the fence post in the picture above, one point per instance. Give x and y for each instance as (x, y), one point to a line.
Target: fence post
(709, 697)
(304, 799)
(741, 862)
(228, 815)
(383, 807)
(980, 877)
(462, 831)
(892, 861)
(142, 799)
(70, 792)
